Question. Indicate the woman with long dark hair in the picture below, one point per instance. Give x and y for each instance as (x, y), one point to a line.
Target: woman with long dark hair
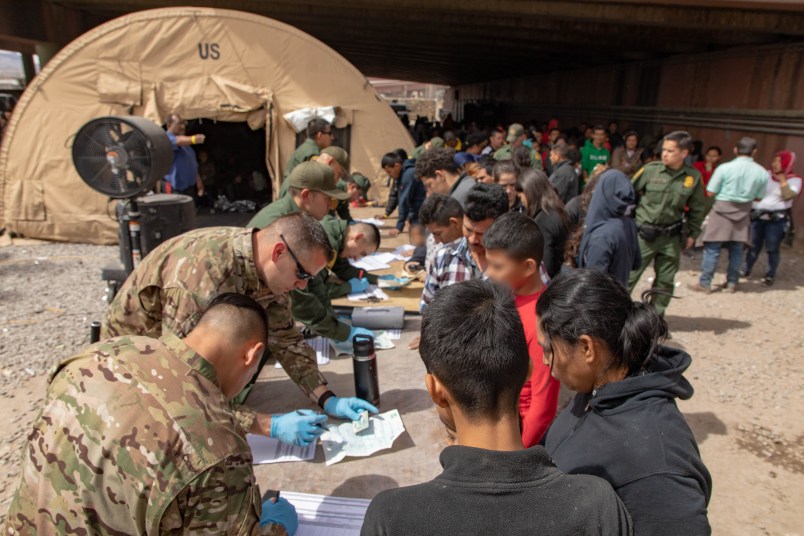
(623, 425)
(542, 203)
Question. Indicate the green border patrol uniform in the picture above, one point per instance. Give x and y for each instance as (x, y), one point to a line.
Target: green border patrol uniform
(307, 175)
(663, 195)
(303, 153)
(421, 149)
(312, 306)
(515, 131)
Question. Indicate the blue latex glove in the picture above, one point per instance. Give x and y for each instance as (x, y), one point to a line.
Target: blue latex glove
(388, 277)
(297, 427)
(359, 331)
(358, 285)
(347, 408)
(280, 512)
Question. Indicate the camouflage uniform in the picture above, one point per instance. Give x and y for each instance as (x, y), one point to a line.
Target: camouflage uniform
(507, 153)
(136, 437)
(173, 285)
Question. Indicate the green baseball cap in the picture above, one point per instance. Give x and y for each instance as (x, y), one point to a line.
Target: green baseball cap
(362, 181)
(514, 132)
(317, 177)
(436, 142)
(339, 155)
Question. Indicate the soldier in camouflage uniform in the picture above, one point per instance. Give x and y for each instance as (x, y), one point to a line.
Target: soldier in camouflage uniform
(664, 189)
(169, 288)
(137, 436)
(311, 189)
(516, 137)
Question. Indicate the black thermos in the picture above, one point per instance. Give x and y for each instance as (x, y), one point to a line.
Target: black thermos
(367, 385)
(94, 332)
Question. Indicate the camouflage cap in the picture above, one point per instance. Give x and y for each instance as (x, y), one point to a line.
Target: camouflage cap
(514, 132)
(339, 155)
(362, 181)
(318, 177)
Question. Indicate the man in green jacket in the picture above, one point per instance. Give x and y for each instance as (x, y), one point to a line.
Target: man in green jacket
(312, 306)
(516, 139)
(663, 190)
(319, 136)
(311, 189)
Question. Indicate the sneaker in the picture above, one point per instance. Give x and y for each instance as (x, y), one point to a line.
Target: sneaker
(744, 273)
(730, 287)
(768, 281)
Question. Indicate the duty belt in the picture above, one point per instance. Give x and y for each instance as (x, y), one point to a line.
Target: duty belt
(666, 230)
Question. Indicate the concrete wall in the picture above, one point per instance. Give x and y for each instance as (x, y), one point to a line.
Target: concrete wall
(718, 97)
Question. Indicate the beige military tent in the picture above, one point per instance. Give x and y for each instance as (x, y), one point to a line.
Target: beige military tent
(203, 63)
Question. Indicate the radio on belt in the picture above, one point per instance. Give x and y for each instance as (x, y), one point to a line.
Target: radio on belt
(379, 317)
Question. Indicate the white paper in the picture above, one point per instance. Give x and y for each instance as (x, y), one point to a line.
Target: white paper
(373, 221)
(327, 516)
(385, 256)
(394, 334)
(372, 291)
(370, 264)
(270, 450)
(340, 441)
(404, 252)
(322, 348)
(382, 341)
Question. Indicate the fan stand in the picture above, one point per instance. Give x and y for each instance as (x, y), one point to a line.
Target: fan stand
(128, 214)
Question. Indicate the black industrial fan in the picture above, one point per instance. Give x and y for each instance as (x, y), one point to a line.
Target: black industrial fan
(123, 158)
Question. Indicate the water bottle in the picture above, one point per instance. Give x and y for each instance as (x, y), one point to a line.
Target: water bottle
(367, 385)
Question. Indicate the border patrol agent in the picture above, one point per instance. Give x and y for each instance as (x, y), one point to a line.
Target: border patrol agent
(516, 135)
(664, 190)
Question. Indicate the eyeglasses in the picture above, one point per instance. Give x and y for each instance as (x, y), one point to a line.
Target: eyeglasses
(327, 132)
(301, 273)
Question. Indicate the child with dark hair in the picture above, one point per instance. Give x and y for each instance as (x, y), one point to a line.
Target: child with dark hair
(623, 424)
(490, 483)
(466, 259)
(514, 247)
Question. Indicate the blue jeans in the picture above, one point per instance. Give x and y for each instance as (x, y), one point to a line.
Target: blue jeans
(770, 234)
(711, 255)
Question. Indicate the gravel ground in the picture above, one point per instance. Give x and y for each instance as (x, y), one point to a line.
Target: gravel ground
(747, 372)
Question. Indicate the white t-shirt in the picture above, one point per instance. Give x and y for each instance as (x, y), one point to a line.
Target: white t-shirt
(773, 195)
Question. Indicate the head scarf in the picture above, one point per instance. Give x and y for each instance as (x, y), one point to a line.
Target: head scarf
(788, 159)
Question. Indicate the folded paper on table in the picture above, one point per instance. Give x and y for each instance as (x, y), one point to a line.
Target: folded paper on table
(270, 450)
(372, 292)
(370, 264)
(320, 515)
(340, 441)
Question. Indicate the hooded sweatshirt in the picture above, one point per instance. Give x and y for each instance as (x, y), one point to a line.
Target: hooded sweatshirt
(609, 242)
(631, 433)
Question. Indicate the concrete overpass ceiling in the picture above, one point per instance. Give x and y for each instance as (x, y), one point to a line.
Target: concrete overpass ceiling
(476, 40)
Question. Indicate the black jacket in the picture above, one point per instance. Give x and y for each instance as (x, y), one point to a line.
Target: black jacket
(609, 241)
(411, 195)
(491, 492)
(632, 434)
(565, 180)
(554, 232)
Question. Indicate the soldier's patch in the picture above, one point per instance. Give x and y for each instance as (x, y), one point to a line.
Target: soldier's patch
(689, 181)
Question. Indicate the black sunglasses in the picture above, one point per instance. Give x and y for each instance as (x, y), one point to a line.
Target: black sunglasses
(301, 273)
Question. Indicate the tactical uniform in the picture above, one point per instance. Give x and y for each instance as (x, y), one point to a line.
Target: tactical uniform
(312, 306)
(506, 153)
(303, 153)
(283, 206)
(136, 437)
(172, 286)
(663, 195)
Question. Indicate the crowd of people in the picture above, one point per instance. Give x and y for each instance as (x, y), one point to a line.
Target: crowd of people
(529, 242)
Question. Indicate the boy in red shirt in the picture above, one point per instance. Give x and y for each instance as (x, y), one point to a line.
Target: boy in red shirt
(514, 248)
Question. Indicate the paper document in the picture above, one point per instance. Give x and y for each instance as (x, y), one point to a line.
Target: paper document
(382, 341)
(327, 516)
(369, 264)
(404, 252)
(340, 441)
(322, 350)
(372, 293)
(394, 334)
(270, 450)
(373, 221)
